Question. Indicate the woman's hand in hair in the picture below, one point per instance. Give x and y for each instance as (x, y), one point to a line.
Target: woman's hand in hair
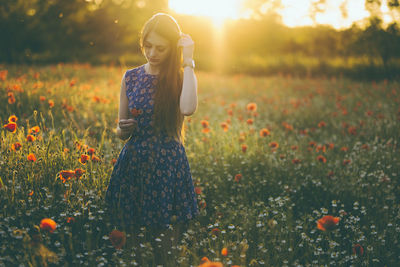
(187, 45)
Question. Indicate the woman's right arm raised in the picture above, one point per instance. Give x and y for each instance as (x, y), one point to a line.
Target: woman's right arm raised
(125, 125)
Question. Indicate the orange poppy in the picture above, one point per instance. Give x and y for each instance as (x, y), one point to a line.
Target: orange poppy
(273, 145)
(48, 225)
(16, 146)
(30, 138)
(117, 238)
(11, 127)
(249, 121)
(238, 177)
(34, 129)
(296, 161)
(70, 219)
(224, 252)
(251, 107)
(327, 222)
(66, 175)
(344, 148)
(225, 126)
(211, 264)
(204, 123)
(321, 158)
(95, 158)
(79, 172)
(205, 130)
(321, 124)
(3, 74)
(230, 112)
(30, 193)
(11, 98)
(197, 189)
(264, 132)
(31, 157)
(244, 148)
(319, 147)
(84, 159)
(12, 118)
(91, 151)
(51, 103)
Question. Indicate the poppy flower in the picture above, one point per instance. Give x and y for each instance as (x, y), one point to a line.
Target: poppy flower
(48, 225)
(296, 161)
(31, 157)
(117, 238)
(346, 161)
(204, 259)
(294, 147)
(273, 145)
(66, 175)
(91, 151)
(321, 158)
(249, 121)
(319, 148)
(51, 103)
(30, 138)
(42, 98)
(113, 161)
(331, 146)
(197, 189)
(224, 252)
(358, 250)
(30, 193)
(70, 219)
(211, 264)
(327, 222)
(264, 132)
(205, 130)
(79, 172)
(344, 149)
(251, 107)
(11, 98)
(95, 158)
(225, 126)
(11, 127)
(34, 129)
(3, 75)
(12, 118)
(16, 146)
(204, 123)
(230, 112)
(321, 124)
(84, 159)
(238, 177)
(287, 126)
(244, 148)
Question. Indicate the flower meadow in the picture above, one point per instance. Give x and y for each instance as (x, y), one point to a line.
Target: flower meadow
(287, 171)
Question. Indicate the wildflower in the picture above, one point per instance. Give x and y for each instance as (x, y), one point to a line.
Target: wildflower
(312, 143)
(230, 112)
(30, 138)
(204, 123)
(42, 98)
(197, 189)
(34, 129)
(321, 124)
(30, 193)
(238, 177)
(323, 148)
(264, 132)
(84, 159)
(70, 219)
(215, 231)
(113, 161)
(66, 175)
(3, 75)
(78, 172)
(224, 252)
(321, 158)
(225, 126)
(251, 107)
(203, 204)
(31, 157)
(273, 145)
(11, 98)
(331, 146)
(117, 238)
(211, 264)
(95, 158)
(287, 126)
(244, 148)
(11, 127)
(91, 151)
(358, 250)
(205, 130)
(16, 146)
(294, 147)
(51, 103)
(327, 222)
(346, 161)
(344, 148)
(12, 118)
(296, 161)
(48, 225)
(249, 121)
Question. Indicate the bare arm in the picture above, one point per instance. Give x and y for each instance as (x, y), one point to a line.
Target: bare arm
(188, 99)
(125, 125)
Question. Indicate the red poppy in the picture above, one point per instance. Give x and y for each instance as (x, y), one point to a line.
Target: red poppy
(244, 148)
(3, 75)
(11, 127)
(30, 138)
(117, 238)
(264, 132)
(249, 121)
(238, 177)
(358, 250)
(16, 146)
(70, 219)
(225, 126)
(31, 157)
(204, 123)
(251, 107)
(51, 103)
(84, 159)
(205, 130)
(91, 151)
(42, 98)
(321, 158)
(321, 124)
(327, 222)
(224, 252)
(48, 225)
(11, 98)
(274, 145)
(95, 158)
(34, 129)
(211, 264)
(66, 175)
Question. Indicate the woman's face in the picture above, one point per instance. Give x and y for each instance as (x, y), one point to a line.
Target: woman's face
(156, 49)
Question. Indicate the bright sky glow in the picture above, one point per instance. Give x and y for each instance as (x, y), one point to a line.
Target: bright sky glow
(293, 12)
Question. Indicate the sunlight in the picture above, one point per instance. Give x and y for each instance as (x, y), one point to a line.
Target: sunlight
(217, 11)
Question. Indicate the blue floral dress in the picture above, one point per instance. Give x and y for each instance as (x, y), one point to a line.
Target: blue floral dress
(151, 183)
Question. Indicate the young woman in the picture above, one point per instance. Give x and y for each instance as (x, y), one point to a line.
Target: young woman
(151, 184)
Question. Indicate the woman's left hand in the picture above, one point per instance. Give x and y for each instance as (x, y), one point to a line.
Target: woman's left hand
(187, 46)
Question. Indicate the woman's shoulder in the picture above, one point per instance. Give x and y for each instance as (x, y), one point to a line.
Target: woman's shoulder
(135, 71)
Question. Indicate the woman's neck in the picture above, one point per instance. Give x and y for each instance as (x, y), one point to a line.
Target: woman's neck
(151, 69)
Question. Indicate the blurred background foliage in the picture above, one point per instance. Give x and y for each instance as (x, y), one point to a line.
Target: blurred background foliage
(107, 31)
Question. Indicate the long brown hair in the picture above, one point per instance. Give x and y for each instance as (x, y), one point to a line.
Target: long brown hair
(167, 115)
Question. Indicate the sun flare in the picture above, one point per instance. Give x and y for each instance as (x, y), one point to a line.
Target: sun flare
(218, 11)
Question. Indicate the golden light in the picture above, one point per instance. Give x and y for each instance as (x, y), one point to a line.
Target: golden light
(217, 10)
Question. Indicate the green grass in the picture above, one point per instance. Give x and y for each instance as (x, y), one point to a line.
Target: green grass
(268, 218)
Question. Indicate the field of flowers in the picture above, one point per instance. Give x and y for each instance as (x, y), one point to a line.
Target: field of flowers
(288, 172)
